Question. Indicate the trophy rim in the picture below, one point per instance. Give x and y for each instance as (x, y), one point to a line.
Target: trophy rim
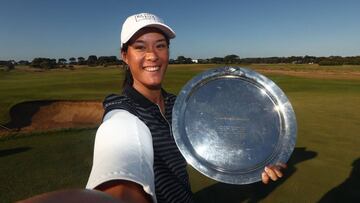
(288, 130)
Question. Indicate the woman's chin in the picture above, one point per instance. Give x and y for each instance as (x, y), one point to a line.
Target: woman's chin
(148, 84)
(155, 86)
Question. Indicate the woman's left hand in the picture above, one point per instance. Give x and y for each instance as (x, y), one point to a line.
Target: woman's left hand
(272, 172)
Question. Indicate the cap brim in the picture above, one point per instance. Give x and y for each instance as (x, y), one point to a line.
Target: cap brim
(164, 28)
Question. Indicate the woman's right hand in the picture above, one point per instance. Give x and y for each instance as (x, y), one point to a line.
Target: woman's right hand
(272, 172)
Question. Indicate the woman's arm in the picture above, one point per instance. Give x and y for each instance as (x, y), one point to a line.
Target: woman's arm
(123, 159)
(127, 191)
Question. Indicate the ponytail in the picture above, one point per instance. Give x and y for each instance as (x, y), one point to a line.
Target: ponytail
(128, 79)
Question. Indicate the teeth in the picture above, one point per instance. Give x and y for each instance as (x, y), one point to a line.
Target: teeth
(152, 69)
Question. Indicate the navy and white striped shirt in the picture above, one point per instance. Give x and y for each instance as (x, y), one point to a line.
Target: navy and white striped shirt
(171, 178)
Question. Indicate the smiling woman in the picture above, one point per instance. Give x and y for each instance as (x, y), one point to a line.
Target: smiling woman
(148, 58)
(135, 155)
(143, 163)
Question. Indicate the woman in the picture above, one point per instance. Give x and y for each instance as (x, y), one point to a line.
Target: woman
(135, 156)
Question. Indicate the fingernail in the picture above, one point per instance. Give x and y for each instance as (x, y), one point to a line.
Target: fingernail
(266, 168)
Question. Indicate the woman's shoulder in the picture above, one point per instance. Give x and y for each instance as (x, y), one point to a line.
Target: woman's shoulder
(119, 114)
(114, 101)
(115, 98)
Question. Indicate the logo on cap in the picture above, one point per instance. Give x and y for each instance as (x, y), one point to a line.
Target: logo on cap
(144, 16)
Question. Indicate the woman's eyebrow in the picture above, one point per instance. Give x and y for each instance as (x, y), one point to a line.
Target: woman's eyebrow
(139, 41)
(161, 40)
(143, 42)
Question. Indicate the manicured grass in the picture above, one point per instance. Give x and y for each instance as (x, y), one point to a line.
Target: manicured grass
(87, 83)
(325, 162)
(44, 162)
(80, 84)
(95, 82)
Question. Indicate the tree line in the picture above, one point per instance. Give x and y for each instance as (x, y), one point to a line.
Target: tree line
(93, 60)
(328, 61)
(51, 63)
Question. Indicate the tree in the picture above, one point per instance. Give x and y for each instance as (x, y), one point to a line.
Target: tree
(108, 60)
(180, 59)
(3, 63)
(62, 61)
(9, 65)
(44, 63)
(72, 60)
(183, 60)
(172, 61)
(217, 60)
(92, 60)
(23, 62)
(231, 59)
(309, 59)
(81, 61)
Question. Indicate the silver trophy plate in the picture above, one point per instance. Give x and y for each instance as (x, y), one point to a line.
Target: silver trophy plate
(231, 122)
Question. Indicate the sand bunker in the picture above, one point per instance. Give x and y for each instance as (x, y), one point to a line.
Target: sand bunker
(51, 115)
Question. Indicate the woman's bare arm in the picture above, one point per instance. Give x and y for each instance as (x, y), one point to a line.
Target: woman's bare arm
(127, 191)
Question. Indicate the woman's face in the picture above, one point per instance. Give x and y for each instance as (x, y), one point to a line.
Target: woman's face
(148, 57)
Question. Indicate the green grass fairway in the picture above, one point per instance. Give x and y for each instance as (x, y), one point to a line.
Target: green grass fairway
(43, 162)
(80, 84)
(325, 164)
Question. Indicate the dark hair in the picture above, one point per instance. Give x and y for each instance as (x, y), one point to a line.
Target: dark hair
(128, 79)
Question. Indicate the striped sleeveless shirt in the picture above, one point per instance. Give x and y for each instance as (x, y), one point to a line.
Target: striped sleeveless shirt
(171, 178)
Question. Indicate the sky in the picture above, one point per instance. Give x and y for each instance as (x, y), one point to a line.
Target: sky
(204, 28)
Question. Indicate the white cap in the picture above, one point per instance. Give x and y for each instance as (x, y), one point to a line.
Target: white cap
(135, 22)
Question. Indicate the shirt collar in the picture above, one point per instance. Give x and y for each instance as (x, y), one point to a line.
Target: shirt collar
(141, 99)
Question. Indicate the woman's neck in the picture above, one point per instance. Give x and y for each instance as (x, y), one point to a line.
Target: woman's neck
(154, 95)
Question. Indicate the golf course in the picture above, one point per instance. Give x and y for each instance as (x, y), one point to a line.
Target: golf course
(49, 119)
